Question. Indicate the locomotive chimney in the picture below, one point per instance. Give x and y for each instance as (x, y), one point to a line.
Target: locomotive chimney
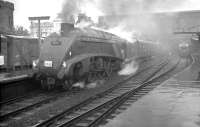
(66, 28)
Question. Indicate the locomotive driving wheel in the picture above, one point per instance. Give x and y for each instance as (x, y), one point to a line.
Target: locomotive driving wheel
(43, 84)
(91, 77)
(67, 85)
(108, 70)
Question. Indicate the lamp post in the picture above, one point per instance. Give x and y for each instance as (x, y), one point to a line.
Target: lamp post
(38, 19)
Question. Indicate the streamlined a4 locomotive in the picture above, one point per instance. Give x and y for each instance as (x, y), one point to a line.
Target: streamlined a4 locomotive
(78, 55)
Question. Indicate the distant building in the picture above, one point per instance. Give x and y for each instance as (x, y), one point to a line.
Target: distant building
(6, 16)
(45, 27)
(156, 26)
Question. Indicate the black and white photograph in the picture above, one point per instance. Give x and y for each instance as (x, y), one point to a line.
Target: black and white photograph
(100, 63)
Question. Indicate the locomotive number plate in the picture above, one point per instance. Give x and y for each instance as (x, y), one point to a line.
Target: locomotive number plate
(48, 63)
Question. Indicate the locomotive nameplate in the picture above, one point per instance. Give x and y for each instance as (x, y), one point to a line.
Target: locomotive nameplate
(48, 63)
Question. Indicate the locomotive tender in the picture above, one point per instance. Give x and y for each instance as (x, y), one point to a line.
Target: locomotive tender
(78, 55)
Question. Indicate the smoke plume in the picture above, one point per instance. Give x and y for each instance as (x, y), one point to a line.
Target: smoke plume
(130, 17)
(72, 8)
(113, 7)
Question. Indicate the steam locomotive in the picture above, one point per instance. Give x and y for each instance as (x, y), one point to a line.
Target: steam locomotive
(17, 52)
(80, 55)
(184, 50)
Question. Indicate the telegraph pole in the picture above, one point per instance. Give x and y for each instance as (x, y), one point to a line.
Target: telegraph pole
(38, 19)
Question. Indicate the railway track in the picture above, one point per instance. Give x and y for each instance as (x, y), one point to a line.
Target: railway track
(29, 95)
(93, 108)
(17, 106)
(19, 98)
(28, 109)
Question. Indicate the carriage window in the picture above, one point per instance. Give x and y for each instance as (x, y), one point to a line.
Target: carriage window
(57, 42)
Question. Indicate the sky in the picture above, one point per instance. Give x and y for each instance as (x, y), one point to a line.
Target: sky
(28, 8)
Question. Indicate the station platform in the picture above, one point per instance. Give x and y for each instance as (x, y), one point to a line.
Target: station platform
(14, 76)
(175, 103)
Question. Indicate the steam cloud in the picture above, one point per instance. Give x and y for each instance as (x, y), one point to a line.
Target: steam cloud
(79, 84)
(69, 9)
(129, 68)
(142, 25)
(113, 7)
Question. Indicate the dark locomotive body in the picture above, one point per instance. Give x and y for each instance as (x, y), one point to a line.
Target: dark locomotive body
(80, 55)
(84, 55)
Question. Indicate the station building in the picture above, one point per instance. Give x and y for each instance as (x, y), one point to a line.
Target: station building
(45, 29)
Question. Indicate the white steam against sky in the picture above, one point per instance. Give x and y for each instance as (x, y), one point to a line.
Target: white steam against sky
(27, 8)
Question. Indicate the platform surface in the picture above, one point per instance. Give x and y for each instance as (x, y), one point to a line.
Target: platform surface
(14, 76)
(175, 103)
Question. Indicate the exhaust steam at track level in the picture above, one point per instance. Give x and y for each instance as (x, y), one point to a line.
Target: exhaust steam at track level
(129, 68)
(89, 85)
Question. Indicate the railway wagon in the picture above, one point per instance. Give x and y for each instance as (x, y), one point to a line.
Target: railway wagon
(18, 52)
(78, 55)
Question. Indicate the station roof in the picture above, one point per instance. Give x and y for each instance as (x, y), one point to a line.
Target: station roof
(20, 37)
